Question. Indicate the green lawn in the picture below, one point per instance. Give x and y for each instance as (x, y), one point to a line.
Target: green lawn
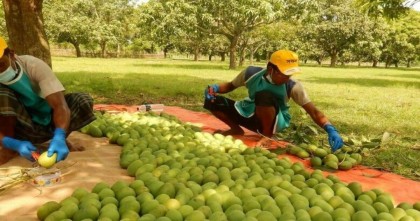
(359, 101)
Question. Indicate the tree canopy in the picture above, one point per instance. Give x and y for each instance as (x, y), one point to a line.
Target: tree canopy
(340, 31)
(388, 8)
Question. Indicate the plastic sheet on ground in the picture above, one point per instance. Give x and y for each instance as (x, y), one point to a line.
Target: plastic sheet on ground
(100, 162)
(402, 189)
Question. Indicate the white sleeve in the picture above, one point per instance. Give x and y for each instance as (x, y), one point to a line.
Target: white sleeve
(40, 73)
(299, 95)
(239, 80)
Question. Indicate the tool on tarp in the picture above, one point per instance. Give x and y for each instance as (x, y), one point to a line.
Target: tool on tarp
(35, 155)
(151, 107)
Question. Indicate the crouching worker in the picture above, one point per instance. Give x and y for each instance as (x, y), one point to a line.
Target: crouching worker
(34, 108)
(265, 110)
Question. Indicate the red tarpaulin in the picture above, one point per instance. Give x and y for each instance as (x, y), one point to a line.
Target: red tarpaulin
(402, 189)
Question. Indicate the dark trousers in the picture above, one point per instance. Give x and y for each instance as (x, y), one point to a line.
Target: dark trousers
(227, 106)
(80, 104)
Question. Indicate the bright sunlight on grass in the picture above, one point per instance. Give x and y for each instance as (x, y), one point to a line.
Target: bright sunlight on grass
(360, 101)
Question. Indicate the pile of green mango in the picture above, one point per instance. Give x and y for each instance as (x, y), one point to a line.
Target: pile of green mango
(182, 174)
(343, 159)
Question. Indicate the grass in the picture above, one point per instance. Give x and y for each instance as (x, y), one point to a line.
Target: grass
(359, 101)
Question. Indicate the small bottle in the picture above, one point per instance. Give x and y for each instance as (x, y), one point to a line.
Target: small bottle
(151, 107)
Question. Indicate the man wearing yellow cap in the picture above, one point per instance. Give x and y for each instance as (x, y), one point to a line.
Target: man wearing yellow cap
(34, 109)
(265, 110)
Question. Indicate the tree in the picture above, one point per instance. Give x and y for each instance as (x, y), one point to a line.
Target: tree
(159, 23)
(25, 26)
(108, 19)
(68, 21)
(3, 30)
(267, 39)
(367, 46)
(234, 18)
(189, 36)
(409, 26)
(388, 8)
(337, 27)
(250, 43)
(217, 45)
(402, 42)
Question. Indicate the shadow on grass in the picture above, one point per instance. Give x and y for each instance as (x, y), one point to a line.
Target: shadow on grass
(415, 76)
(199, 66)
(133, 88)
(365, 82)
(187, 91)
(397, 159)
(362, 67)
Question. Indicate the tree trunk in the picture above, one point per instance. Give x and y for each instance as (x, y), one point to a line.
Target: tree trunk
(166, 50)
(232, 51)
(241, 58)
(152, 48)
(196, 52)
(118, 50)
(375, 64)
(241, 61)
(388, 62)
(333, 59)
(25, 26)
(103, 45)
(222, 56)
(242, 50)
(251, 57)
(76, 45)
(210, 56)
(78, 51)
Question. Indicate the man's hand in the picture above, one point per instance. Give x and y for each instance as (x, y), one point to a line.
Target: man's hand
(210, 92)
(24, 148)
(336, 142)
(58, 145)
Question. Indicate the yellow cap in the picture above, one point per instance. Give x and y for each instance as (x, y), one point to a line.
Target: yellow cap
(286, 61)
(3, 46)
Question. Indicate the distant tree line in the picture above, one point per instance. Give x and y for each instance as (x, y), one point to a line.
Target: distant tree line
(341, 31)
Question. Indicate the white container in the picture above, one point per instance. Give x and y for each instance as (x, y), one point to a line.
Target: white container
(151, 107)
(47, 179)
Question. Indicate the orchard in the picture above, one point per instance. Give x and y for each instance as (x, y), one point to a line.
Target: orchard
(182, 173)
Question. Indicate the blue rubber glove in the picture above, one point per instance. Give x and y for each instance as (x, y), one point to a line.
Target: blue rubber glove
(24, 148)
(210, 91)
(58, 145)
(336, 142)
